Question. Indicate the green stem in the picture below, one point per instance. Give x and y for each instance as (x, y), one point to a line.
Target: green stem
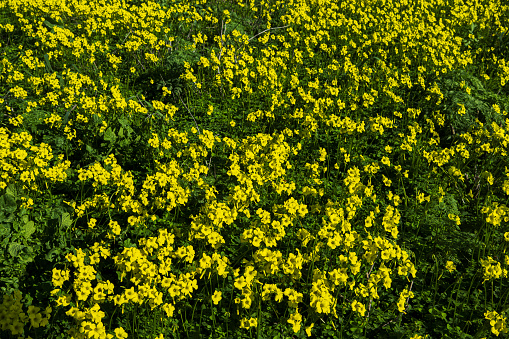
(492, 303)
(211, 305)
(183, 323)
(404, 191)
(313, 262)
(134, 318)
(194, 308)
(199, 325)
(258, 334)
(436, 280)
(456, 301)
(485, 293)
(507, 296)
(111, 318)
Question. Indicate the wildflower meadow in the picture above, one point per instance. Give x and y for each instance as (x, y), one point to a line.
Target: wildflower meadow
(254, 169)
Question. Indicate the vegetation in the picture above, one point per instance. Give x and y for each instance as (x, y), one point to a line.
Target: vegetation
(266, 169)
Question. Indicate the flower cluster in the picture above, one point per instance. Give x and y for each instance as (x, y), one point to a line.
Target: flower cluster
(14, 319)
(497, 322)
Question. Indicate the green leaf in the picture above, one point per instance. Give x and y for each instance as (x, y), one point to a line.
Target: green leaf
(4, 230)
(15, 248)
(54, 251)
(8, 204)
(66, 117)
(127, 125)
(6, 235)
(90, 149)
(3, 217)
(61, 81)
(29, 229)
(47, 63)
(15, 225)
(49, 24)
(75, 68)
(11, 190)
(66, 220)
(124, 142)
(109, 135)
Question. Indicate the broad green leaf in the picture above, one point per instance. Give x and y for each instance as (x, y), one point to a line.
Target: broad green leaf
(66, 220)
(4, 230)
(11, 190)
(15, 248)
(54, 251)
(5, 241)
(109, 135)
(29, 229)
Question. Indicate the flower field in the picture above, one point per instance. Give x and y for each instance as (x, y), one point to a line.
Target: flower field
(254, 169)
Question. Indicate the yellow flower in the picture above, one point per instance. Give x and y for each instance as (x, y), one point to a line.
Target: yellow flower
(323, 154)
(216, 298)
(131, 294)
(358, 307)
(279, 295)
(120, 333)
(59, 277)
(497, 322)
(92, 222)
(115, 227)
(404, 295)
(295, 320)
(308, 329)
(462, 109)
(63, 301)
(450, 266)
(247, 323)
(33, 311)
(385, 160)
(169, 309)
(253, 322)
(240, 283)
(16, 327)
(244, 323)
(387, 181)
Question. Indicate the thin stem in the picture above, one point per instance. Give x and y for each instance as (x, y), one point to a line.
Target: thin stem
(406, 308)
(183, 103)
(183, 323)
(492, 303)
(266, 31)
(368, 275)
(485, 297)
(313, 262)
(456, 301)
(436, 280)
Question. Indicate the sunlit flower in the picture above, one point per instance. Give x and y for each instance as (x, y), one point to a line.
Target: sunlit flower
(450, 266)
(216, 297)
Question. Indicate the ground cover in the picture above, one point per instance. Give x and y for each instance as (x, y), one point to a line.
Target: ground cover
(241, 169)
